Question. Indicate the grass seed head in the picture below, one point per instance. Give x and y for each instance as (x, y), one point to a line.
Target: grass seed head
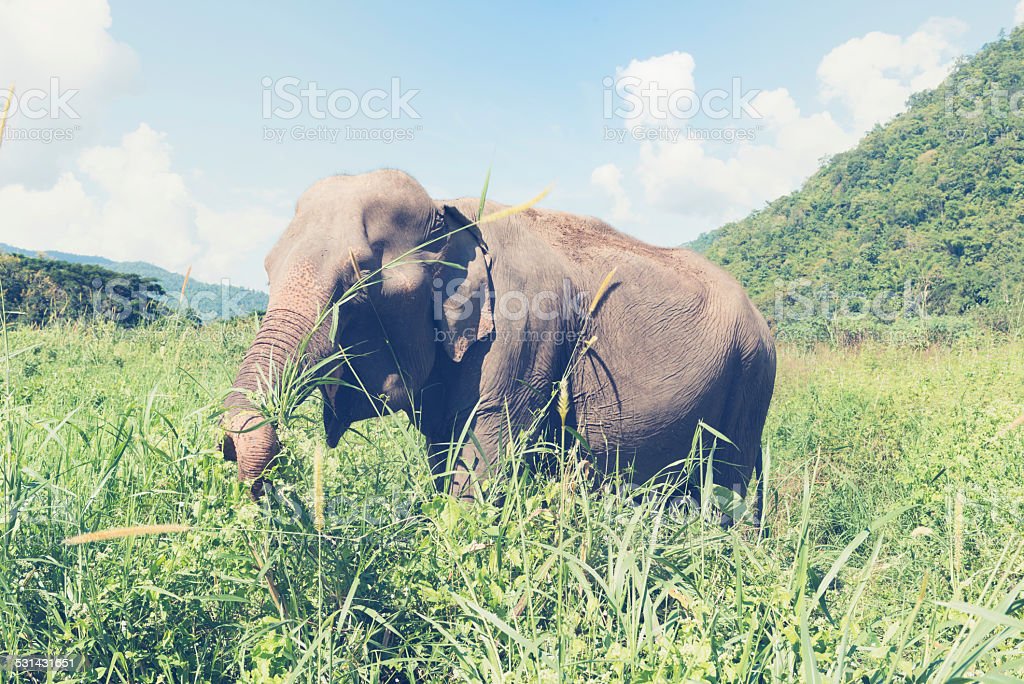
(318, 489)
(563, 399)
(601, 291)
(123, 532)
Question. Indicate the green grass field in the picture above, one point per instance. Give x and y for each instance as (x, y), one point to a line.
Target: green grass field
(891, 548)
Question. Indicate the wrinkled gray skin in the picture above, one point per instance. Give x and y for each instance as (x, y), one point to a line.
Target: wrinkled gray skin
(677, 339)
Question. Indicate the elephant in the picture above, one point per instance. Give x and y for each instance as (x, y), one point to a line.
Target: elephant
(473, 327)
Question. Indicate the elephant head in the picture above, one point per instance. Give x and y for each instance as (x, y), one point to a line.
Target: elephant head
(424, 292)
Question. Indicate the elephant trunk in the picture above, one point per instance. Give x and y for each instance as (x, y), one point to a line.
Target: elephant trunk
(249, 439)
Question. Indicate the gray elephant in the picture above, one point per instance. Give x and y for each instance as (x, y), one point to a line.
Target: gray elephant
(473, 325)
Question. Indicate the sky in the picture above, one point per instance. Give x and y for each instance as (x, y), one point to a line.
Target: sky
(182, 133)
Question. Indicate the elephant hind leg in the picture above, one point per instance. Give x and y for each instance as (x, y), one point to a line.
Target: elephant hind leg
(744, 423)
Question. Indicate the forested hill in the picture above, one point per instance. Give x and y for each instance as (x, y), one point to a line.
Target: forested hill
(208, 300)
(930, 205)
(40, 291)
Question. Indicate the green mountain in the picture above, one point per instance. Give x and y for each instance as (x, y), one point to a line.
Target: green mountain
(925, 215)
(39, 291)
(209, 301)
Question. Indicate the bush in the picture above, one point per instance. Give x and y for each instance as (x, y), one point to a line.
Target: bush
(843, 332)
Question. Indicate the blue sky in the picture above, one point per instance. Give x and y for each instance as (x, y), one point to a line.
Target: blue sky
(169, 158)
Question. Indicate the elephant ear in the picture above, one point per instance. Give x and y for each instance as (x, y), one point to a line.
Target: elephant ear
(466, 313)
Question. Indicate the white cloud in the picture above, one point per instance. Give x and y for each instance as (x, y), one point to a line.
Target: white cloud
(127, 203)
(651, 83)
(872, 76)
(1018, 13)
(703, 183)
(43, 38)
(608, 177)
(55, 47)
(686, 177)
(124, 201)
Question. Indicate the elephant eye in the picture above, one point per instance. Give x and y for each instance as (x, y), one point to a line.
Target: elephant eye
(437, 224)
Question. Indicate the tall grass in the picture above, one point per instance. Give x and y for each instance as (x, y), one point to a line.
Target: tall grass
(890, 550)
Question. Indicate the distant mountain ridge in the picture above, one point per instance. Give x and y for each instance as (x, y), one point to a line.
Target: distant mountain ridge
(210, 301)
(926, 209)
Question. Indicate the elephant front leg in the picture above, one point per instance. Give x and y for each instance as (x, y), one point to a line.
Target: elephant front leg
(462, 459)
